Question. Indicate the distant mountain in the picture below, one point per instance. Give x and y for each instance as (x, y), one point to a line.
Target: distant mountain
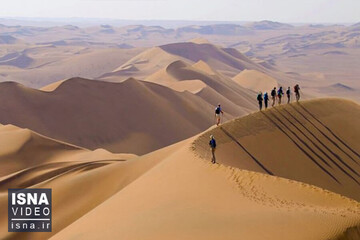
(219, 29)
(355, 27)
(268, 25)
(144, 30)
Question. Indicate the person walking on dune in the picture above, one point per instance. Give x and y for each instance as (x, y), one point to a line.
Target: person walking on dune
(273, 96)
(280, 93)
(212, 145)
(297, 92)
(288, 94)
(266, 100)
(218, 111)
(260, 100)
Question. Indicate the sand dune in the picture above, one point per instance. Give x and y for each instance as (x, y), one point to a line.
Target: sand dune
(94, 51)
(132, 116)
(203, 66)
(315, 142)
(199, 40)
(225, 87)
(193, 86)
(255, 80)
(38, 66)
(225, 60)
(290, 172)
(17, 144)
(236, 100)
(53, 86)
(231, 109)
(141, 66)
(8, 39)
(184, 197)
(80, 179)
(170, 63)
(180, 195)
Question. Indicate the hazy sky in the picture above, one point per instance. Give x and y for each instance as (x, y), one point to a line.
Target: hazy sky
(223, 10)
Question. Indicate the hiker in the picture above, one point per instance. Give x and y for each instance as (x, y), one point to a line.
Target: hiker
(266, 100)
(217, 114)
(260, 100)
(288, 94)
(212, 145)
(297, 92)
(273, 96)
(280, 93)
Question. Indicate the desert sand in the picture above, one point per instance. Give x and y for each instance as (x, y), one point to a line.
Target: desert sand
(317, 55)
(309, 142)
(242, 202)
(255, 80)
(116, 121)
(180, 93)
(128, 117)
(184, 197)
(176, 193)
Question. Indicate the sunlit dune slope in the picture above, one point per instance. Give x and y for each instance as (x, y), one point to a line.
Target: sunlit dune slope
(185, 197)
(316, 142)
(255, 80)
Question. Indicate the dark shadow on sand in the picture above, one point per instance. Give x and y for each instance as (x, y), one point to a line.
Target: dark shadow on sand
(302, 149)
(321, 150)
(326, 136)
(239, 144)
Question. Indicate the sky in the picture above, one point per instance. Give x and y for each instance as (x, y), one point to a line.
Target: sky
(291, 11)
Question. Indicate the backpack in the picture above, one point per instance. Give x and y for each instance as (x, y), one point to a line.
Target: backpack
(212, 143)
(288, 92)
(266, 97)
(273, 92)
(217, 110)
(259, 98)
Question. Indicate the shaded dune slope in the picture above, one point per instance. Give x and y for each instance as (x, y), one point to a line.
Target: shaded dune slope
(315, 142)
(132, 116)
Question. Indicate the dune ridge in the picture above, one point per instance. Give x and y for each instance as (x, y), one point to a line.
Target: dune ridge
(205, 56)
(116, 116)
(176, 209)
(218, 88)
(176, 189)
(319, 136)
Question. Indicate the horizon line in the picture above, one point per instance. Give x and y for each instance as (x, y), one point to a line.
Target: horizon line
(164, 20)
